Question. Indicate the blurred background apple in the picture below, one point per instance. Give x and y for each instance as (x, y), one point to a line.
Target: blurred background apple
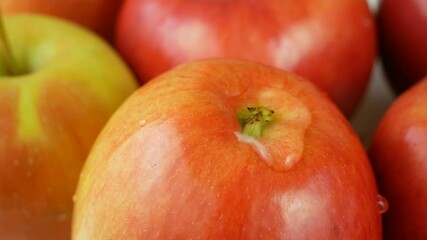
(63, 86)
(98, 15)
(376, 100)
(331, 43)
(402, 29)
(399, 156)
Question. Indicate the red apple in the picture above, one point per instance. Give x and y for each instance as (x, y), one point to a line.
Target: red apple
(227, 149)
(97, 15)
(403, 37)
(399, 156)
(332, 43)
(59, 92)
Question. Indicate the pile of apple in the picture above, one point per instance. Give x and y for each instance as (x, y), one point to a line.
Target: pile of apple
(220, 119)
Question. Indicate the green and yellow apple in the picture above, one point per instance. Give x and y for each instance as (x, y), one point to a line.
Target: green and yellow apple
(63, 85)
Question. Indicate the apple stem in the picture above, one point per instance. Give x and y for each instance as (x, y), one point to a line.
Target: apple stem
(254, 120)
(5, 52)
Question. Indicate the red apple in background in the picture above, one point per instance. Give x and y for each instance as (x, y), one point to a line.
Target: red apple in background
(60, 90)
(399, 155)
(403, 41)
(226, 149)
(97, 15)
(332, 43)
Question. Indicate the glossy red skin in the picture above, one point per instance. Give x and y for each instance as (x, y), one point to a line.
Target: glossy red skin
(331, 43)
(168, 166)
(403, 41)
(399, 156)
(97, 15)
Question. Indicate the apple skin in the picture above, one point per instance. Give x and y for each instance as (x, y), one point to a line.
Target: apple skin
(403, 42)
(399, 156)
(169, 164)
(331, 43)
(69, 83)
(97, 15)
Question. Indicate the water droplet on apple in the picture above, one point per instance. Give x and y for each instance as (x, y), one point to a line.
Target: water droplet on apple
(30, 161)
(74, 198)
(271, 157)
(62, 217)
(290, 161)
(44, 119)
(16, 162)
(29, 174)
(257, 145)
(382, 204)
(231, 92)
(142, 122)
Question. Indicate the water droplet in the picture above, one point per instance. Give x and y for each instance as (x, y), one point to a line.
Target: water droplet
(142, 122)
(382, 204)
(62, 217)
(272, 157)
(16, 162)
(44, 119)
(290, 161)
(257, 145)
(30, 161)
(29, 174)
(232, 92)
(74, 198)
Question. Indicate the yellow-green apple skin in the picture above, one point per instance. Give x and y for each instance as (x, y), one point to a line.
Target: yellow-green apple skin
(67, 84)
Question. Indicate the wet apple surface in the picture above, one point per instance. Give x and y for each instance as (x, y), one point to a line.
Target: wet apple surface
(398, 153)
(225, 148)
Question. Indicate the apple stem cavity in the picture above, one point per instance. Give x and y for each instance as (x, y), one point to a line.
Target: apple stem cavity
(9, 67)
(254, 120)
